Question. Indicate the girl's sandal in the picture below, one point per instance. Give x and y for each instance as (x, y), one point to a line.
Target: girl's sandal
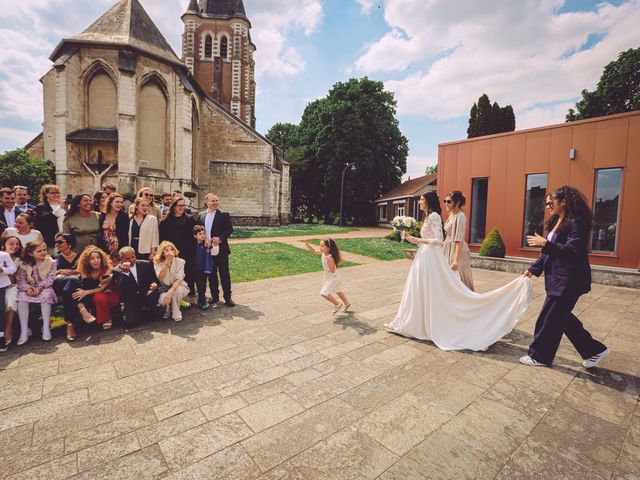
(337, 308)
(346, 307)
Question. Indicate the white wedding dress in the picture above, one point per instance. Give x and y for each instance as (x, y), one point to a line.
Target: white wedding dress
(437, 306)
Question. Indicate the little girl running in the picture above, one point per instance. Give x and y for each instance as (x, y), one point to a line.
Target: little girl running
(330, 255)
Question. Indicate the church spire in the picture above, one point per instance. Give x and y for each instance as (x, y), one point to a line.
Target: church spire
(193, 7)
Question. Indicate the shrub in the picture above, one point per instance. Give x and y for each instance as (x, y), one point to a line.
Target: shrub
(493, 246)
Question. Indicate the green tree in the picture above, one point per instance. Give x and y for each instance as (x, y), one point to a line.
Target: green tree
(487, 119)
(617, 91)
(18, 168)
(354, 124)
(284, 136)
(431, 170)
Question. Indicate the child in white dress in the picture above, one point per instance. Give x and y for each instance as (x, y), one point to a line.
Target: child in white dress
(330, 255)
(13, 247)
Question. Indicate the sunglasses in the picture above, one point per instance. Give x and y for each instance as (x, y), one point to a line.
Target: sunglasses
(548, 204)
(58, 242)
(54, 193)
(148, 194)
(448, 201)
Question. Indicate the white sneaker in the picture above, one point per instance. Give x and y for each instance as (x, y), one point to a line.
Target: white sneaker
(46, 336)
(24, 337)
(596, 359)
(527, 360)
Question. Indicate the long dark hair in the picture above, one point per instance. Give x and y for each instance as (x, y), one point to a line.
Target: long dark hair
(74, 207)
(3, 245)
(97, 198)
(29, 248)
(433, 205)
(171, 212)
(334, 251)
(576, 208)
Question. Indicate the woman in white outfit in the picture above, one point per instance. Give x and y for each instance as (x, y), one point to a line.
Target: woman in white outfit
(436, 305)
(170, 271)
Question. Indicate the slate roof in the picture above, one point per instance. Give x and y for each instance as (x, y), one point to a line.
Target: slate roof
(410, 187)
(128, 24)
(94, 134)
(224, 9)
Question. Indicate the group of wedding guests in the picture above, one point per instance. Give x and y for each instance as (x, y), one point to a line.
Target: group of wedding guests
(93, 257)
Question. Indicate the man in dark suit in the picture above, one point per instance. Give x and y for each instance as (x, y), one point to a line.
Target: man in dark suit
(218, 228)
(138, 285)
(9, 211)
(22, 200)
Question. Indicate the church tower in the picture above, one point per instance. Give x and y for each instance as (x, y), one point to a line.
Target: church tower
(217, 49)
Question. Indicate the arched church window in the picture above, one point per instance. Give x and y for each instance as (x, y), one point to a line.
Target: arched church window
(102, 102)
(153, 127)
(208, 47)
(224, 47)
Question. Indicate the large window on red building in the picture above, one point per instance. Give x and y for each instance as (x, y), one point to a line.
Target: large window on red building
(534, 205)
(479, 190)
(606, 207)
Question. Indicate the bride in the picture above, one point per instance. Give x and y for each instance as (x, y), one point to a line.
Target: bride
(437, 306)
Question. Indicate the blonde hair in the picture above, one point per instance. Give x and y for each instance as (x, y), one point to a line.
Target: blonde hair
(159, 257)
(137, 202)
(45, 189)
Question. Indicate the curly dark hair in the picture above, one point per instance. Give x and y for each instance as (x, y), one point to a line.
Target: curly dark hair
(84, 265)
(576, 208)
(457, 198)
(74, 207)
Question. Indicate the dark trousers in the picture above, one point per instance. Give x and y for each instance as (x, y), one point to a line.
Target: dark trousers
(555, 319)
(220, 264)
(64, 287)
(139, 307)
(200, 280)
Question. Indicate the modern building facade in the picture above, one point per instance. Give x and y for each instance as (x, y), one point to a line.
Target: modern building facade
(120, 106)
(403, 200)
(505, 178)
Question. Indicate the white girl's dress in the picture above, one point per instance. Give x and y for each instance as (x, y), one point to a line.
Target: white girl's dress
(11, 293)
(436, 305)
(332, 281)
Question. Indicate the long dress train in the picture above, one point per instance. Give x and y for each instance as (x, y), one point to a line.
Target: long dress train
(436, 305)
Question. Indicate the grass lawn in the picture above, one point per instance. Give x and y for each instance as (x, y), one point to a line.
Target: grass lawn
(379, 248)
(293, 230)
(257, 261)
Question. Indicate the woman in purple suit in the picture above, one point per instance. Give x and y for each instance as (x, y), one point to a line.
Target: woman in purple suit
(567, 275)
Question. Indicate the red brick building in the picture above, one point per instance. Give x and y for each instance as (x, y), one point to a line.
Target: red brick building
(403, 200)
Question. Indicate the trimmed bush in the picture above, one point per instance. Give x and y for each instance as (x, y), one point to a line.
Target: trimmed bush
(493, 246)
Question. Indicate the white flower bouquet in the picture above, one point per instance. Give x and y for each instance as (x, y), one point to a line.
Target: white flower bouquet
(402, 223)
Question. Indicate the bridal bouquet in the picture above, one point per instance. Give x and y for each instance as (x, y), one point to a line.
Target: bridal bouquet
(403, 223)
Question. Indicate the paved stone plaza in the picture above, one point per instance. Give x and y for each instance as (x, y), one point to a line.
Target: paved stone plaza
(278, 388)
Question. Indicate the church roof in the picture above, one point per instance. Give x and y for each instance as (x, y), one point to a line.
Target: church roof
(128, 24)
(224, 9)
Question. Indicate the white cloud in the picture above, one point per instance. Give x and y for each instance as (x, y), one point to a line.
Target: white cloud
(24, 56)
(19, 137)
(367, 5)
(416, 166)
(273, 22)
(519, 53)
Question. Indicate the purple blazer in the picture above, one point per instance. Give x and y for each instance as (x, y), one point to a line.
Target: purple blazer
(565, 261)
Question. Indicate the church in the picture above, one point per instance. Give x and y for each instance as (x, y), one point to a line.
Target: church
(121, 107)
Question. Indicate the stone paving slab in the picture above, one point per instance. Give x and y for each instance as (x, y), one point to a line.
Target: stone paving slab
(278, 388)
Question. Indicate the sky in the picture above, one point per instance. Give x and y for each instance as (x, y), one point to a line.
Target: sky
(436, 56)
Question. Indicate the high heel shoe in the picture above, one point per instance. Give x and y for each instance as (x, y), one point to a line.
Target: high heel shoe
(72, 337)
(86, 314)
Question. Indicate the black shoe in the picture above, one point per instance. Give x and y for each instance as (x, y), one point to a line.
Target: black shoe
(3, 344)
(229, 303)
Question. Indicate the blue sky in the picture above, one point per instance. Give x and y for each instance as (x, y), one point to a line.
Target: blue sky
(437, 57)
